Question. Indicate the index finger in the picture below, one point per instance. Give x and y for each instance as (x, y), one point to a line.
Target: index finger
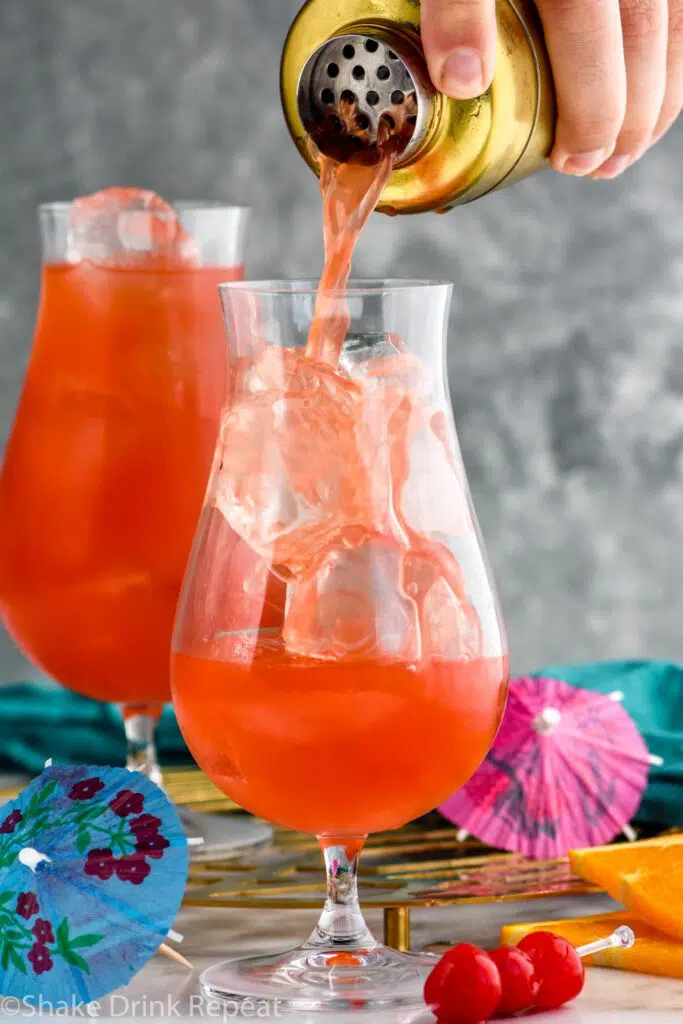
(459, 38)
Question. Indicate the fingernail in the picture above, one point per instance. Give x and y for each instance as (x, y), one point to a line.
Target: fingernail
(614, 166)
(463, 73)
(583, 163)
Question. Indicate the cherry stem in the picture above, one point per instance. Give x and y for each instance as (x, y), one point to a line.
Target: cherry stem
(622, 938)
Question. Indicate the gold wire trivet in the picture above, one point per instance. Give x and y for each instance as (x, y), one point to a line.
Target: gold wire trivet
(410, 867)
(191, 788)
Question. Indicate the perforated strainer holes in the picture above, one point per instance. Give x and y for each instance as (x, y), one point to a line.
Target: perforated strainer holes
(358, 95)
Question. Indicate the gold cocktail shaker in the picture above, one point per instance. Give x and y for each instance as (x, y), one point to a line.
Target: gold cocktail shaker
(354, 71)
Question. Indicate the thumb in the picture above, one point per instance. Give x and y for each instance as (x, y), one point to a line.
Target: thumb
(459, 38)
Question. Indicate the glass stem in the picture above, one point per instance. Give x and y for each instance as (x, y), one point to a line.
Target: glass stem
(140, 721)
(342, 923)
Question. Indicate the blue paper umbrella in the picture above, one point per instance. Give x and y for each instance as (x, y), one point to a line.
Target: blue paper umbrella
(93, 866)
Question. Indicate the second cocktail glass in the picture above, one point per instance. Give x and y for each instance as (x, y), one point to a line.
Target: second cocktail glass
(340, 663)
(106, 468)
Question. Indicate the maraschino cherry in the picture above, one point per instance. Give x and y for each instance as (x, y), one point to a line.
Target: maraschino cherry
(558, 967)
(518, 978)
(464, 987)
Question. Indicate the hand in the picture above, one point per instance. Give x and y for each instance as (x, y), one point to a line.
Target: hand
(617, 65)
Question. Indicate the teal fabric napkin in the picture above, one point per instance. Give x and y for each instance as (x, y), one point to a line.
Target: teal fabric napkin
(653, 696)
(41, 721)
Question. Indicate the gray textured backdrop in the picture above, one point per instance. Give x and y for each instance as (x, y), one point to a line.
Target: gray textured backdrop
(565, 360)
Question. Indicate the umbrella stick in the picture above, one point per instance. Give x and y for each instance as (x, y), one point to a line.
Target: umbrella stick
(173, 954)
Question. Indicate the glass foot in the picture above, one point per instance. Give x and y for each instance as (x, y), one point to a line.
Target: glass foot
(222, 835)
(313, 978)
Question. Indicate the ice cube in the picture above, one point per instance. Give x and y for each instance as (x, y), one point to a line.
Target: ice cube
(128, 227)
(427, 488)
(433, 498)
(449, 625)
(382, 358)
(361, 349)
(451, 629)
(382, 600)
(302, 460)
(353, 606)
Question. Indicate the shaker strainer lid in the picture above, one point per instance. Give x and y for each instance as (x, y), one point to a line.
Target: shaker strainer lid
(357, 95)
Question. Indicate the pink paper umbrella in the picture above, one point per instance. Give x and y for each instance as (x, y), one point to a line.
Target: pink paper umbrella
(568, 769)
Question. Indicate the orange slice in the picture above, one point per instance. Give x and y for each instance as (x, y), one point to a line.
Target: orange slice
(647, 877)
(653, 952)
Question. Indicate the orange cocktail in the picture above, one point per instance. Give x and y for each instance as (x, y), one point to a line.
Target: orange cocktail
(107, 465)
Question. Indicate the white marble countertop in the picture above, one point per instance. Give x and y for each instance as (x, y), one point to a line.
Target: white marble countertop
(166, 991)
